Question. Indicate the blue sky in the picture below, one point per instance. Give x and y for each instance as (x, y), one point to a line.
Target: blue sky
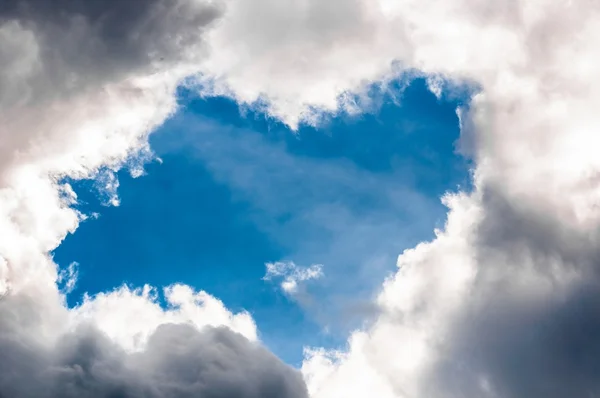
(235, 189)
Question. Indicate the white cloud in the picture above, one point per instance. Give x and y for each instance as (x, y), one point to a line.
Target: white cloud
(81, 86)
(416, 304)
(130, 316)
(68, 278)
(177, 359)
(108, 186)
(75, 99)
(291, 274)
(509, 281)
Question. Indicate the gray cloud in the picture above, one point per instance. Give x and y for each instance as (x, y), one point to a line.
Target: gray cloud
(509, 347)
(70, 72)
(178, 361)
(348, 218)
(514, 231)
(84, 43)
(531, 326)
(57, 58)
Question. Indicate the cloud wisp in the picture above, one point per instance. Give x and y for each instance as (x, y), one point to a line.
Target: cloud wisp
(291, 275)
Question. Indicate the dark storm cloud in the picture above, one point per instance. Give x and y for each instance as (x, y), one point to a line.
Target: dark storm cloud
(515, 229)
(512, 348)
(57, 58)
(85, 43)
(531, 327)
(179, 361)
(125, 30)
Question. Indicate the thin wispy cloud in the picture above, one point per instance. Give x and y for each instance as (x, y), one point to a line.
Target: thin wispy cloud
(68, 277)
(291, 275)
(324, 210)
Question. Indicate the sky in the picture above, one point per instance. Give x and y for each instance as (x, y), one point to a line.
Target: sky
(235, 190)
(299, 199)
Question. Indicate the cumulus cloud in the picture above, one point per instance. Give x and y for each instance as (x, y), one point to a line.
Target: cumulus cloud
(500, 304)
(178, 360)
(82, 84)
(112, 313)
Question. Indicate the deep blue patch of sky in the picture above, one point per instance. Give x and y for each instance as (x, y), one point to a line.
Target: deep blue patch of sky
(235, 190)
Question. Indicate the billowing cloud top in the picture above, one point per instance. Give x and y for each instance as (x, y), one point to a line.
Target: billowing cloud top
(502, 303)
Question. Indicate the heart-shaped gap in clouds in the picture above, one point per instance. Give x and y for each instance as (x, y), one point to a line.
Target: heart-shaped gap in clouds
(234, 191)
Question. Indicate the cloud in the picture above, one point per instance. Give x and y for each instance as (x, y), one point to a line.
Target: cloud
(108, 43)
(82, 84)
(291, 274)
(68, 277)
(499, 304)
(80, 90)
(178, 360)
(125, 343)
(112, 312)
(326, 210)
